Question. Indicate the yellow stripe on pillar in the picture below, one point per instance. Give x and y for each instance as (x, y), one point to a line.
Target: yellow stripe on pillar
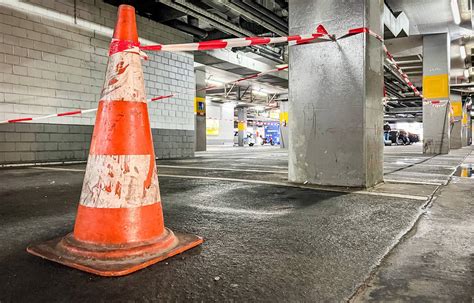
(242, 126)
(464, 118)
(457, 108)
(283, 117)
(436, 87)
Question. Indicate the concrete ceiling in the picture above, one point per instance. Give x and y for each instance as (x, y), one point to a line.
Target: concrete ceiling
(434, 16)
(211, 19)
(426, 16)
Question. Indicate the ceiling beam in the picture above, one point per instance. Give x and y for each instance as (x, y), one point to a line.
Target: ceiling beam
(239, 59)
(404, 110)
(405, 119)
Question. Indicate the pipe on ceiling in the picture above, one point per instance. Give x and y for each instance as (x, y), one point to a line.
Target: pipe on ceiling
(263, 14)
(226, 6)
(222, 7)
(193, 21)
(197, 12)
(187, 28)
(282, 3)
(216, 21)
(266, 12)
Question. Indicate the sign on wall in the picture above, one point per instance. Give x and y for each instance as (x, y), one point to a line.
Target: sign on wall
(200, 106)
(273, 131)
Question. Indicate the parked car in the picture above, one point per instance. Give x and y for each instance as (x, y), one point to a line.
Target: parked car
(402, 137)
(414, 138)
(393, 136)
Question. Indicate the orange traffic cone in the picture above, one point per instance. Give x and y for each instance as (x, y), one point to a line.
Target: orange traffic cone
(119, 225)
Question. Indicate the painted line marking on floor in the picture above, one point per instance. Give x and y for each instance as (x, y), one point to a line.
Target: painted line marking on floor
(59, 169)
(435, 177)
(223, 169)
(362, 192)
(389, 164)
(412, 182)
(239, 211)
(200, 161)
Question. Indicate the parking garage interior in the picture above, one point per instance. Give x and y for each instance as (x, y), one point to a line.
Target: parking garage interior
(236, 151)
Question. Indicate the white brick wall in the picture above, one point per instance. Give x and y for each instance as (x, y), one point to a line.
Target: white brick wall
(51, 63)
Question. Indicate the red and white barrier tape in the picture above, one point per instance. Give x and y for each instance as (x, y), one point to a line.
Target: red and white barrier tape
(251, 122)
(404, 76)
(118, 46)
(70, 113)
(230, 43)
(436, 103)
(320, 32)
(390, 58)
(361, 30)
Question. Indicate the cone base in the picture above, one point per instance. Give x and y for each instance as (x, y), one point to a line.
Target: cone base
(53, 250)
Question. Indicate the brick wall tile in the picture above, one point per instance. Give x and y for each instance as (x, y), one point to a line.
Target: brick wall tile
(49, 66)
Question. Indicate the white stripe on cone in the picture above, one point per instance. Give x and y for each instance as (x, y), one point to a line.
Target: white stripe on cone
(124, 78)
(118, 181)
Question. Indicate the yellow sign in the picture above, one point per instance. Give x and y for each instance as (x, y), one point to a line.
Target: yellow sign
(200, 106)
(464, 118)
(242, 126)
(212, 127)
(457, 108)
(284, 118)
(436, 87)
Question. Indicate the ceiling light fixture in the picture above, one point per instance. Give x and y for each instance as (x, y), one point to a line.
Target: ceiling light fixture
(213, 82)
(455, 11)
(260, 93)
(462, 50)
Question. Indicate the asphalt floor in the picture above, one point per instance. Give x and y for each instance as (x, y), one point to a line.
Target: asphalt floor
(264, 238)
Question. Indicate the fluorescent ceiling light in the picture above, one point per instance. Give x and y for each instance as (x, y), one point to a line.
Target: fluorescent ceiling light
(466, 73)
(212, 82)
(259, 93)
(462, 49)
(455, 11)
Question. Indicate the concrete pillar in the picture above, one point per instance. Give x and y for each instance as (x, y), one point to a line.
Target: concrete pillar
(335, 96)
(465, 126)
(456, 122)
(436, 107)
(200, 110)
(242, 124)
(284, 124)
(469, 128)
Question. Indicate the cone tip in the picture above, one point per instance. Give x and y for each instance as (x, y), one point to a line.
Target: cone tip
(125, 7)
(126, 27)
